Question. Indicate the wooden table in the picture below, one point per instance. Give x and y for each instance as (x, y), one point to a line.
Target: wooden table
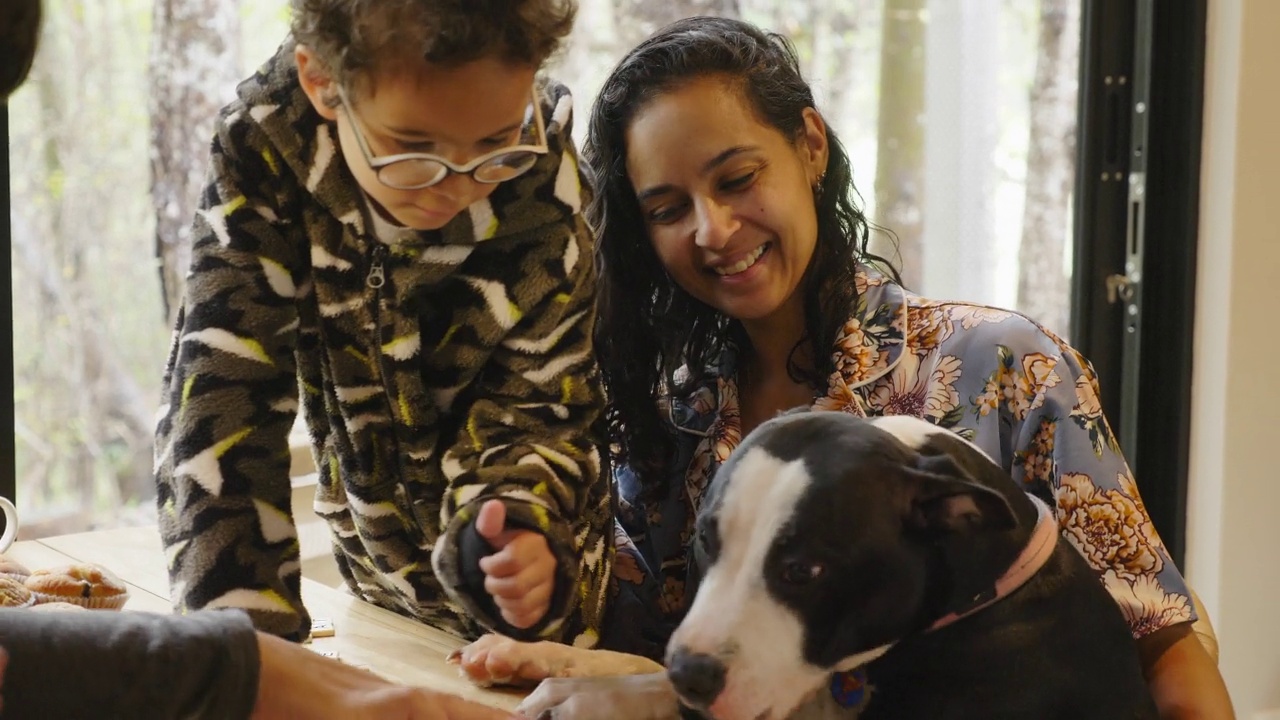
(390, 645)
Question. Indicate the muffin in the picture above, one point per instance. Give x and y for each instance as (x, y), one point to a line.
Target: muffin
(56, 607)
(91, 586)
(9, 566)
(14, 594)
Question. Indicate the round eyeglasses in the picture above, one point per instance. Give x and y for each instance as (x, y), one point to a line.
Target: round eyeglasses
(414, 171)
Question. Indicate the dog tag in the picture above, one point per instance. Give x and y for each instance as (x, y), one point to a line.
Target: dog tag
(329, 654)
(321, 627)
(849, 689)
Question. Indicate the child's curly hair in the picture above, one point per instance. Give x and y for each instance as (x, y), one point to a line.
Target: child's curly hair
(353, 38)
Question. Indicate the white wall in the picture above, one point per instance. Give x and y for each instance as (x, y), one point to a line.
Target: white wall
(1233, 556)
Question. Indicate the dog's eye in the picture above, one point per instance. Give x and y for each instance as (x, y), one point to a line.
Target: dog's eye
(802, 572)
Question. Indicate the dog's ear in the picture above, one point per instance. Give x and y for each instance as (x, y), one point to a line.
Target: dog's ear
(943, 497)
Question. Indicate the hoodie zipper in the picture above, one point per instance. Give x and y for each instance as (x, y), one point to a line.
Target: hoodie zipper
(376, 279)
(377, 276)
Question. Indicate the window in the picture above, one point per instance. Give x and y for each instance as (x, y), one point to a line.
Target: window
(90, 330)
(959, 118)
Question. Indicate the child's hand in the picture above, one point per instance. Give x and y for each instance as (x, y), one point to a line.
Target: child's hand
(521, 575)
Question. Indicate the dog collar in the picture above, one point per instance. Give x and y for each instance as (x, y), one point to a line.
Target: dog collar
(1044, 538)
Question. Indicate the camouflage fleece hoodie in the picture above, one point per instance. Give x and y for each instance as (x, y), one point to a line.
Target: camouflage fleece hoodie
(437, 372)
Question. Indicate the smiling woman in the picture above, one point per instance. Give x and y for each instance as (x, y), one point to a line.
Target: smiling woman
(736, 284)
(703, 169)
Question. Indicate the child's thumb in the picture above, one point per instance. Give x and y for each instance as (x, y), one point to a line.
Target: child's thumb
(491, 521)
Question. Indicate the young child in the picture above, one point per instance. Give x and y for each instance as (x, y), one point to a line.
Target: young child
(391, 230)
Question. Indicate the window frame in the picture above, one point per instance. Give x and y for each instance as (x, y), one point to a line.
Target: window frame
(1148, 393)
(8, 452)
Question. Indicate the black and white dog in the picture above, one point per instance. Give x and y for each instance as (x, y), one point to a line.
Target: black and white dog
(875, 569)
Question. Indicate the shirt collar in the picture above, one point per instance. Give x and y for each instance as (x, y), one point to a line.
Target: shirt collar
(874, 337)
(867, 348)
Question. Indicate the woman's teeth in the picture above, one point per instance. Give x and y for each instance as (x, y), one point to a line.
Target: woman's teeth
(741, 265)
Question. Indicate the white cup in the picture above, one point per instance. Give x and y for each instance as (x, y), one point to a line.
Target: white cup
(10, 524)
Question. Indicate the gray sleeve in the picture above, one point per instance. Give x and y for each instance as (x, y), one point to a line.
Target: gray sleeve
(128, 665)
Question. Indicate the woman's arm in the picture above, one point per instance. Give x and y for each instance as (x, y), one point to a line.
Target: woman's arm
(1062, 440)
(128, 664)
(206, 664)
(298, 683)
(1184, 680)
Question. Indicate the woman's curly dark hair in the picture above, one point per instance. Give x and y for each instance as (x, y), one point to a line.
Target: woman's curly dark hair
(353, 38)
(647, 326)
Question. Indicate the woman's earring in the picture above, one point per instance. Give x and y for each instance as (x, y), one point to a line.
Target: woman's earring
(817, 186)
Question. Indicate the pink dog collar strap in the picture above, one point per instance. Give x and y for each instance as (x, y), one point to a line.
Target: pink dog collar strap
(1044, 538)
(852, 688)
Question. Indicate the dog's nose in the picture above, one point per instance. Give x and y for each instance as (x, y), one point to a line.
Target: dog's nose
(698, 678)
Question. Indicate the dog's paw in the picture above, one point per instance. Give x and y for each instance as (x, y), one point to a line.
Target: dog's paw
(499, 660)
(634, 697)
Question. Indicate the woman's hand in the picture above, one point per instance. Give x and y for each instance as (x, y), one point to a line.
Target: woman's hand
(295, 682)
